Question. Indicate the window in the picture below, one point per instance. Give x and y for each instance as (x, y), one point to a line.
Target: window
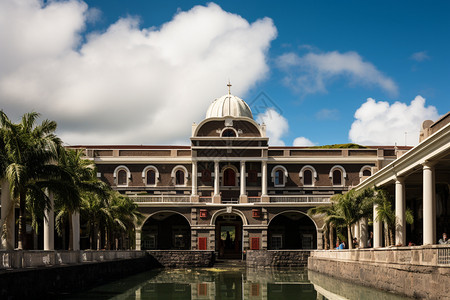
(279, 177)
(151, 177)
(122, 177)
(229, 177)
(206, 176)
(307, 177)
(367, 172)
(252, 176)
(179, 177)
(229, 133)
(202, 243)
(337, 177)
(254, 243)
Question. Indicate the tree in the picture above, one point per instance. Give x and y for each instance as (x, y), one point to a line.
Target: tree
(26, 160)
(329, 214)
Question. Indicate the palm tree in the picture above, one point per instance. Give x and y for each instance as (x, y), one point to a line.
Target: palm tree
(83, 180)
(331, 223)
(28, 153)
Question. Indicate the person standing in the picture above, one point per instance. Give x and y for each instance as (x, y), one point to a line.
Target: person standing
(444, 240)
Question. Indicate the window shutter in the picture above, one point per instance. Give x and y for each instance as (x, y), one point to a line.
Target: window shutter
(202, 243)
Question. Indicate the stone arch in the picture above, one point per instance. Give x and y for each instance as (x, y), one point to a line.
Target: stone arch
(364, 168)
(228, 211)
(144, 174)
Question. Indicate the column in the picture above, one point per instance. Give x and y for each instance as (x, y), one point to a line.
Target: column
(194, 178)
(264, 196)
(377, 237)
(356, 232)
(138, 239)
(76, 230)
(49, 226)
(216, 197)
(429, 213)
(400, 224)
(7, 217)
(363, 231)
(243, 180)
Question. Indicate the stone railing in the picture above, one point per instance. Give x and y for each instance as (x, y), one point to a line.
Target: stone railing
(254, 199)
(300, 198)
(160, 198)
(205, 199)
(433, 255)
(40, 258)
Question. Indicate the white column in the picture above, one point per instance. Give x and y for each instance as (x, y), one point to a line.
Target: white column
(243, 179)
(216, 178)
(363, 231)
(377, 237)
(264, 178)
(76, 230)
(429, 213)
(138, 239)
(49, 226)
(356, 232)
(7, 217)
(194, 178)
(400, 224)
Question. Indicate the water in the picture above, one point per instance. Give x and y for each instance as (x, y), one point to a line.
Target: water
(232, 283)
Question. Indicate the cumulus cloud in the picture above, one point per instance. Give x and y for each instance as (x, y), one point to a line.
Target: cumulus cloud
(381, 123)
(311, 73)
(276, 126)
(420, 56)
(303, 142)
(126, 84)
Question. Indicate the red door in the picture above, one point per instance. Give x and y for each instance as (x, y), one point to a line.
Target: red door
(202, 245)
(229, 177)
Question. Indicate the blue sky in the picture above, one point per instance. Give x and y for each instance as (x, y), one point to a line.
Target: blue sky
(318, 62)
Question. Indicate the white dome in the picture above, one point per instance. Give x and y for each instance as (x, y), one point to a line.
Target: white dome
(229, 105)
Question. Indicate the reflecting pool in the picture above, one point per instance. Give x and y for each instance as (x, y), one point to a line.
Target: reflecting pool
(232, 283)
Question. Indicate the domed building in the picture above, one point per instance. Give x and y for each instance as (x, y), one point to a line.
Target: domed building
(229, 191)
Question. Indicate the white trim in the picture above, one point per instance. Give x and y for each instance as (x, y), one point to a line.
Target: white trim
(174, 171)
(116, 171)
(144, 175)
(225, 211)
(343, 175)
(313, 173)
(366, 167)
(285, 172)
(226, 128)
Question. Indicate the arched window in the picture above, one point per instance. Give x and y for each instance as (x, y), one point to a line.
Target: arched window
(338, 175)
(279, 176)
(229, 133)
(367, 173)
(308, 175)
(206, 175)
(179, 177)
(122, 177)
(150, 176)
(229, 177)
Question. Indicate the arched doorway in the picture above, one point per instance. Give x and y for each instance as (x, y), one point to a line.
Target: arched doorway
(166, 231)
(292, 230)
(229, 236)
(229, 177)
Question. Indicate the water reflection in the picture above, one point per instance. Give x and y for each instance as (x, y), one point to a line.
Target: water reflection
(232, 283)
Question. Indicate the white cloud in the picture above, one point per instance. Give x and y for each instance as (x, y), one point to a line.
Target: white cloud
(327, 114)
(276, 126)
(303, 142)
(310, 73)
(379, 123)
(127, 84)
(420, 56)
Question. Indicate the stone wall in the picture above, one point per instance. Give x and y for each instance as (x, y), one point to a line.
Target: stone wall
(51, 281)
(182, 258)
(277, 258)
(404, 271)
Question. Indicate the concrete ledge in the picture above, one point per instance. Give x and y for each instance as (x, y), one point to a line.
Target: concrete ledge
(277, 258)
(49, 282)
(182, 258)
(39, 258)
(386, 271)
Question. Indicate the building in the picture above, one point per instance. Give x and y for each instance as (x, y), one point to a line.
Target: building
(230, 191)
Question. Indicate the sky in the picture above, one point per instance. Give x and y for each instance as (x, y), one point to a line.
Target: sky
(141, 72)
